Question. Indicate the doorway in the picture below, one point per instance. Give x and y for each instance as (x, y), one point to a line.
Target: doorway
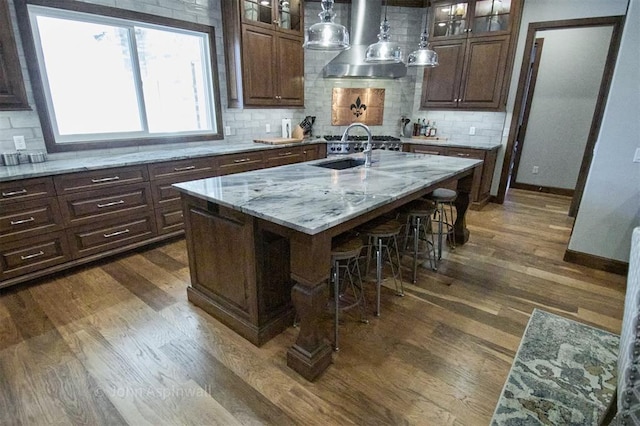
(563, 85)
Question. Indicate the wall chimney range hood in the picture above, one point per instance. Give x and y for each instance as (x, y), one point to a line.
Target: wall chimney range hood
(365, 25)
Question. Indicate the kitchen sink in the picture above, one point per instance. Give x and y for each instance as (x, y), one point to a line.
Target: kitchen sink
(341, 164)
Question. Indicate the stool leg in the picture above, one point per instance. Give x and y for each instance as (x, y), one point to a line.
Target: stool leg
(336, 300)
(378, 273)
(393, 272)
(416, 238)
(362, 301)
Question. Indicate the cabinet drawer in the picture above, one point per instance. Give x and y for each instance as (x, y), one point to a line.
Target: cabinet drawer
(237, 163)
(183, 169)
(97, 238)
(283, 156)
(85, 181)
(83, 207)
(169, 218)
(164, 193)
(431, 150)
(26, 189)
(32, 254)
(20, 220)
(466, 153)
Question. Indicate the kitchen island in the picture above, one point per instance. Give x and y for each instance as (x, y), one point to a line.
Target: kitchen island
(260, 240)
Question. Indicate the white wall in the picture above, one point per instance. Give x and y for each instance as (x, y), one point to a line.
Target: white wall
(540, 11)
(566, 92)
(610, 206)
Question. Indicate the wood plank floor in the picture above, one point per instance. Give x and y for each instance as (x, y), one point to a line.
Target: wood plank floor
(118, 342)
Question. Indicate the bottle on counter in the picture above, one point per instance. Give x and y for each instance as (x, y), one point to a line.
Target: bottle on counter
(433, 130)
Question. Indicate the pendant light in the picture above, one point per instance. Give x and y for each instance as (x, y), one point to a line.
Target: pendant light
(384, 51)
(326, 34)
(423, 57)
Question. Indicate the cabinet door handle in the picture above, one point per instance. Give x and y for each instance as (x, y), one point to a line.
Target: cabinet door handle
(113, 203)
(31, 256)
(115, 234)
(462, 155)
(242, 160)
(107, 179)
(14, 193)
(20, 222)
(182, 169)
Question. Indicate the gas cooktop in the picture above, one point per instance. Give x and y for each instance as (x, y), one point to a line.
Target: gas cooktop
(383, 138)
(358, 143)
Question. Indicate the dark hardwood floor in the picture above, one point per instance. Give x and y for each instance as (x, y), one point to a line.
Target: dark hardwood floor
(118, 342)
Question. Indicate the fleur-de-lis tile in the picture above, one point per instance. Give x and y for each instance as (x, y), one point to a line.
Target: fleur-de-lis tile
(357, 105)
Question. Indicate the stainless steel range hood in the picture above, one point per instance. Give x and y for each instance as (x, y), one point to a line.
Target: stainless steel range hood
(365, 25)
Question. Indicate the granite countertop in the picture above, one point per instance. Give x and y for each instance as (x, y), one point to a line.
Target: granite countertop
(80, 164)
(453, 143)
(312, 199)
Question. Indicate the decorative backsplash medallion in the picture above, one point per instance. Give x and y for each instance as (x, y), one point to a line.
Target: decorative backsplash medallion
(357, 105)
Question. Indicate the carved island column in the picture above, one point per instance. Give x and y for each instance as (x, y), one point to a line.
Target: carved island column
(310, 355)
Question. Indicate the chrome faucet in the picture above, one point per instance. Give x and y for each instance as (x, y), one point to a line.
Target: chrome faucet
(368, 150)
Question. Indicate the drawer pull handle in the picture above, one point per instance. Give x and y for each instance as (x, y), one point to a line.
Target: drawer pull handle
(285, 153)
(462, 155)
(31, 256)
(242, 160)
(14, 193)
(20, 222)
(182, 169)
(107, 179)
(115, 234)
(428, 152)
(113, 203)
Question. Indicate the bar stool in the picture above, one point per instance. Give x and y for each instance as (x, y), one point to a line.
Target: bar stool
(348, 291)
(444, 198)
(418, 229)
(382, 237)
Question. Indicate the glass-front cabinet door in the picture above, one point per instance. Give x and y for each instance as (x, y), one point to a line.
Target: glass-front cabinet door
(290, 15)
(491, 16)
(450, 19)
(462, 19)
(282, 14)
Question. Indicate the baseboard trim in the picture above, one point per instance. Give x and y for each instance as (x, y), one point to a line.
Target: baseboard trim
(596, 262)
(543, 189)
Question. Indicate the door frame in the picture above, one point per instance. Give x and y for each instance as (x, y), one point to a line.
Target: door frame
(617, 23)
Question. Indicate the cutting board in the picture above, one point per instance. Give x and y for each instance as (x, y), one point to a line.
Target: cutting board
(277, 141)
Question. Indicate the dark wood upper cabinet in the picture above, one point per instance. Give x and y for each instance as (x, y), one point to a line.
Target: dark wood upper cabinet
(475, 43)
(263, 52)
(12, 92)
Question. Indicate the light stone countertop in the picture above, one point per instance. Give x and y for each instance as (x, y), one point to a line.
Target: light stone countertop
(489, 146)
(70, 165)
(311, 199)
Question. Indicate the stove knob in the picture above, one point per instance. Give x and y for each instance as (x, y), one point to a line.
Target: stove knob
(333, 148)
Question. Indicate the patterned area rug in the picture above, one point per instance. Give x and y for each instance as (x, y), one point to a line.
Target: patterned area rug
(564, 373)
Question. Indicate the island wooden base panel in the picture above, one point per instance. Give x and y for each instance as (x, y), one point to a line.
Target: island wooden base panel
(258, 335)
(118, 342)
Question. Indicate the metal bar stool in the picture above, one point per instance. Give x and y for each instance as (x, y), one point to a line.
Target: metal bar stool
(346, 280)
(382, 237)
(418, 230)
(444, 198)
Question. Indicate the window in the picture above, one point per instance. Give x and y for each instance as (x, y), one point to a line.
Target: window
(115, 78)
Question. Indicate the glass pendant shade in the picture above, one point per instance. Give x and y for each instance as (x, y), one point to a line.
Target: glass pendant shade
(326, 34)
(384, 51)
(423, 57)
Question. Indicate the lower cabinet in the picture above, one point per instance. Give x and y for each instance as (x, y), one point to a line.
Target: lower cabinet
(48, 224)
(481, 191)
